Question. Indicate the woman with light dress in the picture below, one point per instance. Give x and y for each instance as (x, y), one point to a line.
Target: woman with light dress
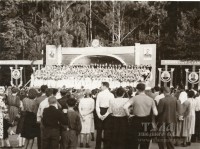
(86, 108)
(119, 120)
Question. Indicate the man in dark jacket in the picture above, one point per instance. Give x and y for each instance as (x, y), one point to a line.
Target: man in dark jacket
(63, 100)
(52, 118)
(167, 110)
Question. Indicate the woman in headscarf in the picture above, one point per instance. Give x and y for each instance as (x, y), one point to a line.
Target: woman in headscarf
(86, 108)
(30, 128)
(13, 104)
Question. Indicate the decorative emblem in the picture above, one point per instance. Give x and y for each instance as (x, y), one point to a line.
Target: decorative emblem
(193, 77)
(95, 43)
(52, 54)
(16, 74)
(165, 76)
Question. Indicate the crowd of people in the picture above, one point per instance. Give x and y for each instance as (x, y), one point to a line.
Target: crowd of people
(123, 118)
(90, 76)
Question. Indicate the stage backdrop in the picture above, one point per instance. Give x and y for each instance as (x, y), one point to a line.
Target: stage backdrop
(144, 54)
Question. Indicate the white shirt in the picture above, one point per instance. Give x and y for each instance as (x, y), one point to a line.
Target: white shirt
(103, 100)
(183, 97)
(197, 103)
(44, 104)
(158, 97)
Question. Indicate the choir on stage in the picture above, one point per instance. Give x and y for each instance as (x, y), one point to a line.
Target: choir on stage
(90, 76)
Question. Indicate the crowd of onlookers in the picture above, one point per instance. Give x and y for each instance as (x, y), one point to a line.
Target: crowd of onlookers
(123, 118)
(90, 76)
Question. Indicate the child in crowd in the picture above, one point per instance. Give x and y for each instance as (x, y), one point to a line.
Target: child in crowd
(74, 125)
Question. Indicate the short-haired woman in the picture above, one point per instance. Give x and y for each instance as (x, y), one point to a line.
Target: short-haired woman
(119, 120)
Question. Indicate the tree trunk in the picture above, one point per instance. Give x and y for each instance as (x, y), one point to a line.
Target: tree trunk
(113, 27)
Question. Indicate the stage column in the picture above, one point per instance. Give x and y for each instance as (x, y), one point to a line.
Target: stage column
(159, 81)
(186, 80)
(171, 81)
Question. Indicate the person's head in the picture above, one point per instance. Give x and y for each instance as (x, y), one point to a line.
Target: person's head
(55, 91)
(52, 100)
(32, 93)
(49, 92)
(87, 93)
(140, 87)
(191, 94)
(166, 91)
(120, 92)
(63, 92)
(14, 90)
(43, 88)
(71, 102)
(104, 85)
(156, 89)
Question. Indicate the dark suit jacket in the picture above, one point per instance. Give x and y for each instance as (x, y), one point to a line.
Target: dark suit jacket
(63, 102)
(167, 110)
(52, 117)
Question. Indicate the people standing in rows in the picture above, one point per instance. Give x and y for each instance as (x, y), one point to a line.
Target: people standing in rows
(86, 108)
(104, 119)
(167, 119)
(119, 134)
(142, 106)
(52, 118)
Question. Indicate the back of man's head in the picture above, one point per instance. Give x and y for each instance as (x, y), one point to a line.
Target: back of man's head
(49, 92)
(52, 100)
(43, 88)
(140, 87)
(71, 102)
(106, 84)
(166, 90)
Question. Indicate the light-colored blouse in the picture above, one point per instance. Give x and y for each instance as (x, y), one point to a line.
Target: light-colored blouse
(116, 106)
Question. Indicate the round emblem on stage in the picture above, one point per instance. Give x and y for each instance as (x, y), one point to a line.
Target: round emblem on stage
(95, 43)
(165, 76)
(193, 77)
(16, 74)
(51, 54)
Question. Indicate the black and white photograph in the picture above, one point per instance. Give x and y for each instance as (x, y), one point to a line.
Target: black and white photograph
(99, 74)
